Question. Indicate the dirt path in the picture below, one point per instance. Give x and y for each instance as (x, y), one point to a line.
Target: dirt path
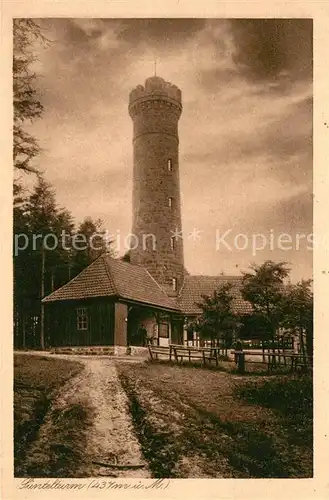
(111, 438)
(109, 434)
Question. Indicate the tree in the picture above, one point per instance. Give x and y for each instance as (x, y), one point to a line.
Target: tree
(298, 313)
(263, 288)
(46, 257)
(90, 243)
(218, 320)
(27, 105)
(36, 264)
(30, 265)
(126, 257)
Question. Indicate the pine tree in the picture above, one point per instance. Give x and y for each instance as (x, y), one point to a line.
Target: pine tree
(37, 268)
(27, 105)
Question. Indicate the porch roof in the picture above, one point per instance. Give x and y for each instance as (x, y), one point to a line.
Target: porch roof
(113, 277)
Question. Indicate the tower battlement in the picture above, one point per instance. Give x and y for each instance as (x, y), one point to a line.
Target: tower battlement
(155, 88)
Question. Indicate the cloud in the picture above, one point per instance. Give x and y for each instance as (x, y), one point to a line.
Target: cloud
(160, 32)
(269, 49)
(245, 132)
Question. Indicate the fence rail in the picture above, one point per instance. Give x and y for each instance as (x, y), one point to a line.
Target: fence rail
(271, 359)
(246, 344)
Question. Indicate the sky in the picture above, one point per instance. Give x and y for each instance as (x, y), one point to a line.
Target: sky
(245, 132)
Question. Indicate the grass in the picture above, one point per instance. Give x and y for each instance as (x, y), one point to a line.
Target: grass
(158, 447)
(36, 382)
(193, 422)
(292, 400)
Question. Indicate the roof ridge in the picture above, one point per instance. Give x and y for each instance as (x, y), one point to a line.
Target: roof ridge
(71, 280)
(162, 290)
(235, 276)
(107, 268)
(181, 289)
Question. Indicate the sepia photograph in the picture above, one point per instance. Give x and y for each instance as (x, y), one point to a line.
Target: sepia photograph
(162, 249)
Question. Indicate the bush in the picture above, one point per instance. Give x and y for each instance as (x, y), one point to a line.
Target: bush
(292, 397)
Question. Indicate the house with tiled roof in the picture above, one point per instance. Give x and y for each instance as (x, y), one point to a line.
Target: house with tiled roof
(106, 304)
(112, 300)
(109, 300)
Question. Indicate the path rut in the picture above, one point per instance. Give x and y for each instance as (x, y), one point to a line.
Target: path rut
(112, 448)
(111, 438)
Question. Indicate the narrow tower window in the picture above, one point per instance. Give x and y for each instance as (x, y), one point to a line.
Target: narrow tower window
(170, 202)
(174, 284)
(172, 243)
(169, 164)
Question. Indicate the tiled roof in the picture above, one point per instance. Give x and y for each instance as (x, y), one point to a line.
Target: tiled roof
(196, 286)
(113, 277)
(91, 282)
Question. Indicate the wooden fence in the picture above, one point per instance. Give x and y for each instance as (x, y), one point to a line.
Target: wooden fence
(208, 355)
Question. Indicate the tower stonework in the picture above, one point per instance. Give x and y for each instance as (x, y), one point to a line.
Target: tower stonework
(155, 110)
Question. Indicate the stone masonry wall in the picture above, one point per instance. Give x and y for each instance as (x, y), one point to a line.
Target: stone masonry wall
(155, 142)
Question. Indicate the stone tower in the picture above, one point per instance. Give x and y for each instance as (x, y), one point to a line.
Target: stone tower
(155, 110)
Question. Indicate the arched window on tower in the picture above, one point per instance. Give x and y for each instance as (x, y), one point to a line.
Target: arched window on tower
(170, 202)
(174, 284)
(169, 165)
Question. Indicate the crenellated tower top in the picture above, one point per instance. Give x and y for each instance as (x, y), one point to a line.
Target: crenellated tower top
(155, 88)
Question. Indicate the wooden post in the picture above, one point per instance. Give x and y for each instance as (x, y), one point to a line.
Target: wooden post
(216, 356)
(42, 318)
(270, 361)
(24, 330)
(241, 361)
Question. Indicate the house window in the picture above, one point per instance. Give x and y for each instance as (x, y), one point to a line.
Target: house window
(169, 165)
(170, 202)
(82, 318)
(174, 284)
(164, 330)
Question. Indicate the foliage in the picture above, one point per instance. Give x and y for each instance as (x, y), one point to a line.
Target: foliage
(27, 105)
(292, 397)
(93, 244)
(218, 320)
(264, 289)
(254, 325)
(37, 269)
(50, 258)
(126, 257)
(298, 312)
